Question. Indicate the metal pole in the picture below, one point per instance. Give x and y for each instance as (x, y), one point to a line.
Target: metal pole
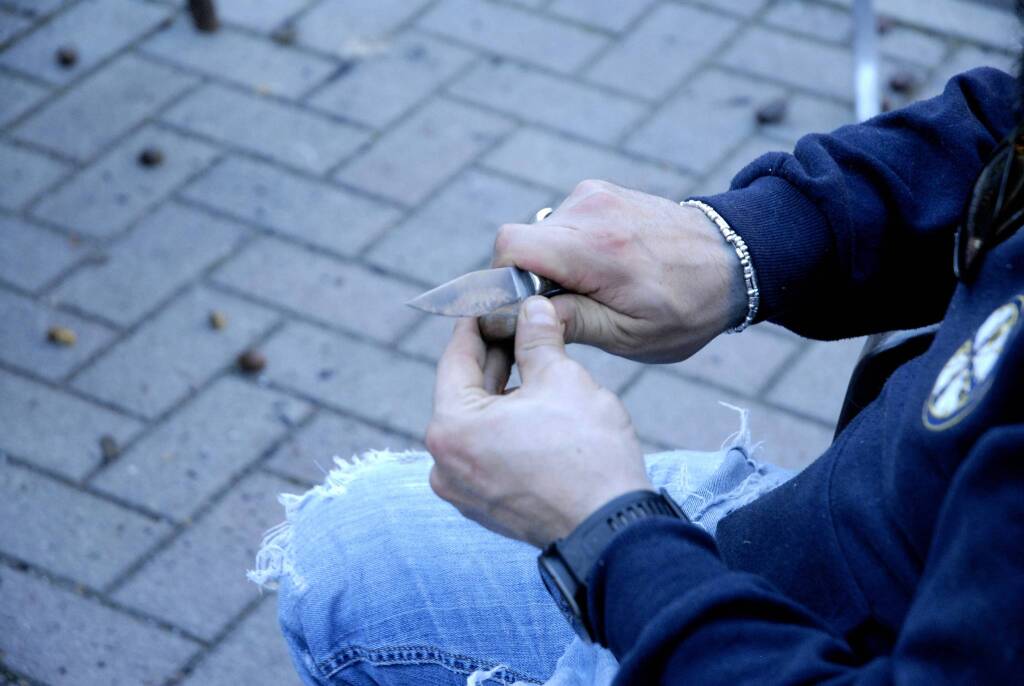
(865, 55)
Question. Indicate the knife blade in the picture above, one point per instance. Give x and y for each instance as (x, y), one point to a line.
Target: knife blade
(481, 292)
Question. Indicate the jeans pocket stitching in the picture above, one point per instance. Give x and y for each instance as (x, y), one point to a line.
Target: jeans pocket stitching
(415, 655)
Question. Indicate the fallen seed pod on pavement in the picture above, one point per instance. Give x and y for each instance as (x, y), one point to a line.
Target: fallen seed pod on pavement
(67, 56)
(109, 447)
(772, 112)
(252, 361)
(151, 157)
(61, 335)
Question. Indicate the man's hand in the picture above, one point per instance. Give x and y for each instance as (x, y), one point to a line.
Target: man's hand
(656, 280)
(534, 463)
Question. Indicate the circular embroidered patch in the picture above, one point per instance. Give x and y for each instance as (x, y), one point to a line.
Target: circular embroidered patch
(966, 377)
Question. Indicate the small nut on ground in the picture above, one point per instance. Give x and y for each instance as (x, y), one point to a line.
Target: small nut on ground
(151, 157)
(67, 56)
(218, 320)
(252, 361)
(772, 112)
(61, 335)
(903, 81)
(109, 447)
(284, 34)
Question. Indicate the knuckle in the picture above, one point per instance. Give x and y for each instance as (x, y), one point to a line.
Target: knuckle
(436, 439)
(504, 239)
(438, 484)
(600, 200)
(589, 186)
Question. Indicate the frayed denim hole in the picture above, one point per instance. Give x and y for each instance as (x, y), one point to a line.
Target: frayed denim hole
(415, 655)
(275, 558)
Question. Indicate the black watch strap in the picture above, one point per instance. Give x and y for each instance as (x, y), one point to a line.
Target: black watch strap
(566, 563)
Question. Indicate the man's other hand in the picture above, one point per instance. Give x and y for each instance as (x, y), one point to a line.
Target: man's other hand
(656, 280)
(534, 463)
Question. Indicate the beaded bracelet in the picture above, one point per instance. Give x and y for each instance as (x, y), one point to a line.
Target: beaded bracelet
(740, 246)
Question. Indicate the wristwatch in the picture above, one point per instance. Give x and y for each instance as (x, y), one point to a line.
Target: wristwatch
(566, 563)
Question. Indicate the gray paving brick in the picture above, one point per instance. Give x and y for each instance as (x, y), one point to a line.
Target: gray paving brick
(414, 158)
(198, 582)
(752, 148)
(429, 338)
(741, 363)
(811, 18)
(30, 256)
(201, 448)
(11, 25)
(816, 384)
(355, 28)
(169, 248)
(809, 114)
(514, 33)
(559, 103)
(35, 8)
(383, 86)
(309, 454)
(334, 292)
(259, 16)
(20, 95)
(254, 654)
(281, 132)
(86, 538)
(560, 163)
(743, 8)
(97, 28)
(354, 377)
(683, 414)
(61, 638)
(84, 120)
(153, 368)
(667, 44)
(291, 205)
(238, 57)
(708, 117)
(107, 196)
(454, 232)
(24, 174)
(612, 15)
(23, 337)
(961, 18)
(55, 430)
(797, 61)
(913, 46)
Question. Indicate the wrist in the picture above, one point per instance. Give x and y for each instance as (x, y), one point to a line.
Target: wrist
(740, 293)
(567, 563)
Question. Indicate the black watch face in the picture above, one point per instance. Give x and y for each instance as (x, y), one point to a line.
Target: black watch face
(562, 589)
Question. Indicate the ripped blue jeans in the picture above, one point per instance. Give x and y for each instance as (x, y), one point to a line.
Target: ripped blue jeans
(381, 583)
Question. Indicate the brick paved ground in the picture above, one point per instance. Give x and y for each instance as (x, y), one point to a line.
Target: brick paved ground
(309, 188)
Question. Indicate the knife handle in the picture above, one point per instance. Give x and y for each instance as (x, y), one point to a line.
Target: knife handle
(499, 326)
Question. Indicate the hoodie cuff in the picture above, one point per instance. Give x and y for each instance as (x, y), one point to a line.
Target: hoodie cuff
(646, 567)
(788, 238)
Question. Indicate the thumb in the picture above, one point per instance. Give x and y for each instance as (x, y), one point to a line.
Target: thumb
(539, 340)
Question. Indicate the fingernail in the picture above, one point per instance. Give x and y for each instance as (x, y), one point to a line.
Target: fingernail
(540, 311)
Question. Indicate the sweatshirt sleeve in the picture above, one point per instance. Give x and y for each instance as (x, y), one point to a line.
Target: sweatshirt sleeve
(853, 232)
(672, 613)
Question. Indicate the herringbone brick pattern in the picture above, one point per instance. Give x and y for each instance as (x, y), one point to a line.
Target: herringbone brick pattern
(323, 161)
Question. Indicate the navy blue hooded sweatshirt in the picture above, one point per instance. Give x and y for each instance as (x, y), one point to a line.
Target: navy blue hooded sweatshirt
(897, 556)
